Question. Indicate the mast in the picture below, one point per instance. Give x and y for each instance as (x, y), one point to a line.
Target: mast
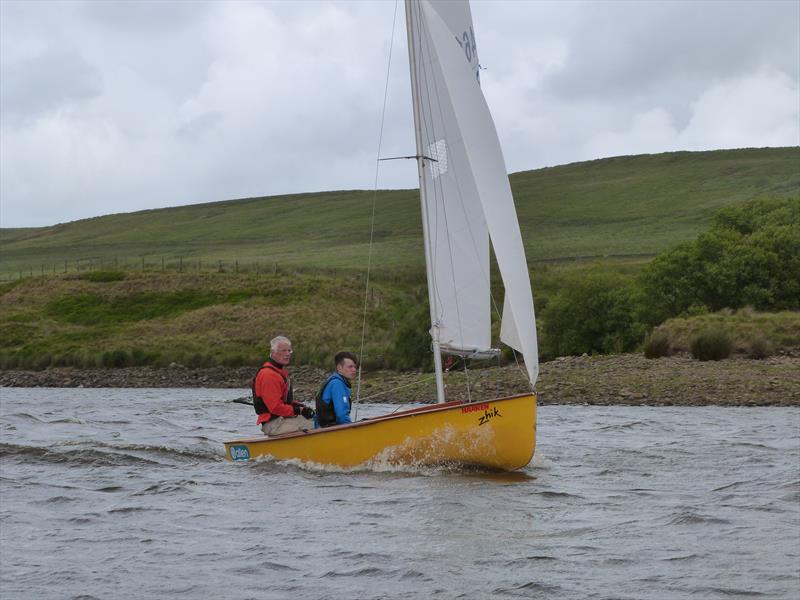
(412, 59)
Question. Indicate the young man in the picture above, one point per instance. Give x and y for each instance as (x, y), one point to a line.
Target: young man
(333, 404)
(272, 394)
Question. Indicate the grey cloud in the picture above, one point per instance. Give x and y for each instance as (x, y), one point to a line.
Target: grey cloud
(623, 49)
(199, 125)
(173, 102)
(44, 83)
(145, 17)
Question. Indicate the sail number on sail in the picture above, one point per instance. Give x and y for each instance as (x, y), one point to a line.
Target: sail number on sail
(467, 42)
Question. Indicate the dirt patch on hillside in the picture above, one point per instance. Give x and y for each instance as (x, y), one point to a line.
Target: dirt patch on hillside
(627, 379)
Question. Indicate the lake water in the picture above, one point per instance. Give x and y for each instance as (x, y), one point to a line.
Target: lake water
(111, 493)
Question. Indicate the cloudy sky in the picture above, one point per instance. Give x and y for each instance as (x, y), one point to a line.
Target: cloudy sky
(112, 106)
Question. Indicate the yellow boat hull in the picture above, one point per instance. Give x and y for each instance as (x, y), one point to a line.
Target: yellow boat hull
(496, 434)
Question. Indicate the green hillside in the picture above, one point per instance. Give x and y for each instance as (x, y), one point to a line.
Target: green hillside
(624, 206)
(195, 319)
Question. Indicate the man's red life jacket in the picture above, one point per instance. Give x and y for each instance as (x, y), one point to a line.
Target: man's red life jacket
(272, 393)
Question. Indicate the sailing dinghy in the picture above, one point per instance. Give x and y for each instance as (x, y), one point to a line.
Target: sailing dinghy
(466, 204)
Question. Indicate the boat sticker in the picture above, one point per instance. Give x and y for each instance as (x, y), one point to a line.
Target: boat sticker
(474, 407)
(240, 453)
(488, 415)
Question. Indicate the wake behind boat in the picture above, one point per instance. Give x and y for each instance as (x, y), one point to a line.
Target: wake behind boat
(466, 204)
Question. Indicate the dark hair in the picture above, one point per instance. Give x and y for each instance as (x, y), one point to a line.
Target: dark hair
(341, 356)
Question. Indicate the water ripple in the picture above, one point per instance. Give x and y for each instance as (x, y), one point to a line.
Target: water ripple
(691, 518)
(641, 503)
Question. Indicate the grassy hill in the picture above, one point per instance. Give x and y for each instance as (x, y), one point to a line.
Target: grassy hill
(204, 315)
(624, 206)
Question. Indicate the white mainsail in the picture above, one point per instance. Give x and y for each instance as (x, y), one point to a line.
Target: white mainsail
(466, 196)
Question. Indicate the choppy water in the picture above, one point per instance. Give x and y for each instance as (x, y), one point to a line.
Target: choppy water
(125, 494)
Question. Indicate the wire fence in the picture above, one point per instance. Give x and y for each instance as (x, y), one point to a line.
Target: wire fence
(181, 264)
(161, 264)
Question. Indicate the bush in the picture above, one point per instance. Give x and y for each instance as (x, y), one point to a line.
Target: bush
(411, 343)
(116, 358)
(658, 344)
(711, 344)
(141, 357)
(760, 348)
(750, 256)
(593, 313)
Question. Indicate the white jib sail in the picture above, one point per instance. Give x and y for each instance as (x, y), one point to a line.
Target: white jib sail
(468, 197)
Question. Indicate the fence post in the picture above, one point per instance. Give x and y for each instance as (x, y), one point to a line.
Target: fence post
(180, 264)
(162, 264)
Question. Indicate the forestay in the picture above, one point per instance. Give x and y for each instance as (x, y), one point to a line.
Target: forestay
(466, 195)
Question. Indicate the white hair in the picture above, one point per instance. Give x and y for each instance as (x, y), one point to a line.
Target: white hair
(273, 343)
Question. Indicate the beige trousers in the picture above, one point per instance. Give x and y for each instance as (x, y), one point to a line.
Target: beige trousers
(279, 425)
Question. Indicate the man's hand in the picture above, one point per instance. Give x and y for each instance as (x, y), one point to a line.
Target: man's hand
(307, 412)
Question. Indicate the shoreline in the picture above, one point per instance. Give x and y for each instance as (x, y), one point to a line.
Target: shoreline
(626, 379)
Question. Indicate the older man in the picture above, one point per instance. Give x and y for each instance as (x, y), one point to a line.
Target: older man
(272, 394)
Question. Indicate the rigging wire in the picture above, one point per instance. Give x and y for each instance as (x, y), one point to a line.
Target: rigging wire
(400, 387)
(372, 219)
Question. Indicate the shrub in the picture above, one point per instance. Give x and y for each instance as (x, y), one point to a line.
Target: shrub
(658, 344)
(593, 313)
(760, 347)
(40, 361)
(141, 357)
(116, 358)
(411, 348)
(711, 343)
(411, 344)
(750, 256)
(8, 361)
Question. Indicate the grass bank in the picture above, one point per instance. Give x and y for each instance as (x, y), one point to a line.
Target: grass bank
(224, 319)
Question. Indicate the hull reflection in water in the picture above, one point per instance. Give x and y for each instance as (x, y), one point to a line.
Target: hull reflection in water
(497, 434)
